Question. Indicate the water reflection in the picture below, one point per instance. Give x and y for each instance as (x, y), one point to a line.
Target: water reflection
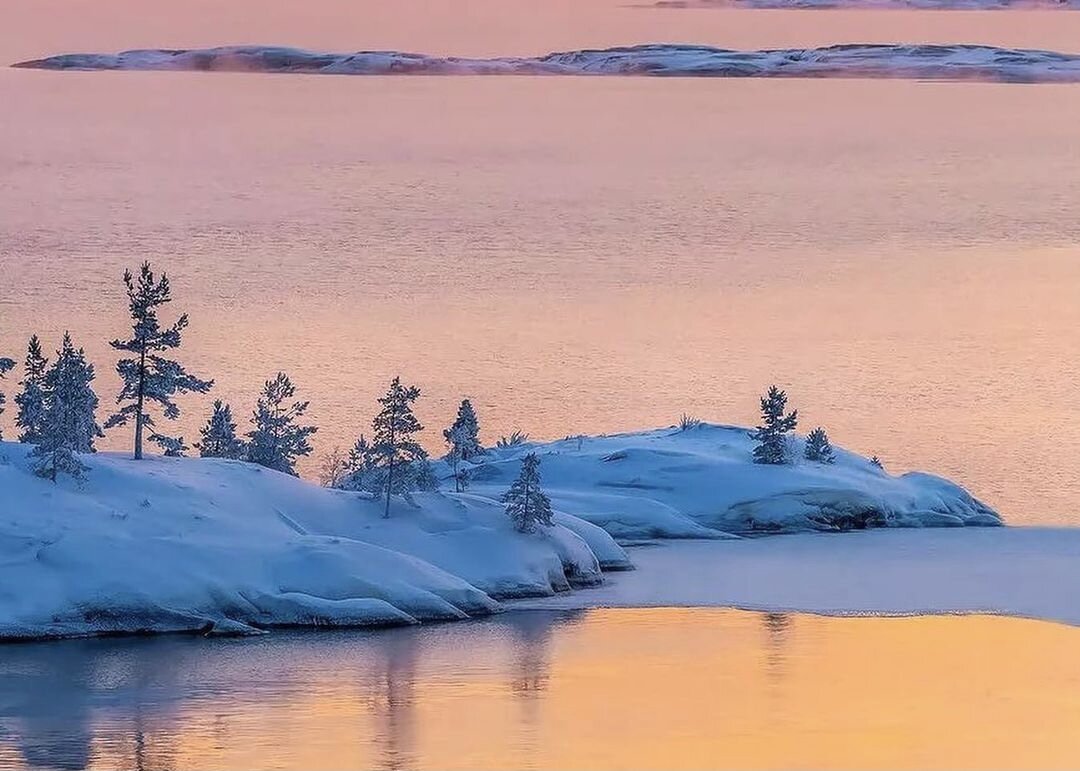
(688, 688)
(392, 704)
(776, 629)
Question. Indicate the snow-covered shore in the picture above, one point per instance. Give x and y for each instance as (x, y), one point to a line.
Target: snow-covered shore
(175, 544)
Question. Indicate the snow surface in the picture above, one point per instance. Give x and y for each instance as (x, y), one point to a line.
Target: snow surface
(702, 483)
(925, 61)
(1017, 571)
(175, 544)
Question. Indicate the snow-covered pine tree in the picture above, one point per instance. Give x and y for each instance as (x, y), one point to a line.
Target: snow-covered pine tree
(396, 456)
(818, 447)
(6, 365)
(69, 427)
(526, 503)
(356, 468)
(771, 435)
(31, 399)
(465, 432)
(332, 469)
(464, 442)
(147, 375)
(277, 440)
(219, 438)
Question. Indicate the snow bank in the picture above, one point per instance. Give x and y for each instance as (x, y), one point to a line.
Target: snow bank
(1016, 571)
(925, 61)
(172, 544)
(702, 483)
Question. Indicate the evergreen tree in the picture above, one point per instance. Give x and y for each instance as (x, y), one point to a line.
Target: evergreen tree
(818, 447)
(464, 443)
(356, 467)
(398, 462)
(219, 438)
(69, 427)
(31, 399)
(333, 470)
(147, 375)
(526, 503)
(277, 440)
(6, 365)
(771, 436)
(465, 432)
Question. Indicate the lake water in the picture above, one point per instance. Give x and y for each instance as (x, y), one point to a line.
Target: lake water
(596, 689)
(576, 255)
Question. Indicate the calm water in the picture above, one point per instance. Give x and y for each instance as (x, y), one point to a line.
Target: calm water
(600, 689)
(582, 255)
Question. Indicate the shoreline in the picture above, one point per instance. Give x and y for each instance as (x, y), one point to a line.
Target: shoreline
(622, 590)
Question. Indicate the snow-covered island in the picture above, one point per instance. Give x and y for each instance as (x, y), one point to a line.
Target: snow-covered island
(223, 546)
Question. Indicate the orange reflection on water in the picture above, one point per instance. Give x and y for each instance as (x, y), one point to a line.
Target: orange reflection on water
(603, 689)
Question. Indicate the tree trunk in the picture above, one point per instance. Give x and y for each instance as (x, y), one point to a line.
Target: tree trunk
(390, 467)
(139, 410)
(389, 487)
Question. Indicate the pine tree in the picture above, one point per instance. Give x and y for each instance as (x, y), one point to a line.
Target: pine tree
(526, 503)
(219, 438)
(818, 447)
(398, 461)
(356, 467)
(464, 443)
(31, 399)
(771, 436)
(332, 470)
(147, 375)
(6, 365)
(69, 427)
(277, 440)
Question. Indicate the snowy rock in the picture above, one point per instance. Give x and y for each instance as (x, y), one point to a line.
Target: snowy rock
(220, 546)
(702, 482)
(217, 546)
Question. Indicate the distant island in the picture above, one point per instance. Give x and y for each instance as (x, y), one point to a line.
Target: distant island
(921, 61)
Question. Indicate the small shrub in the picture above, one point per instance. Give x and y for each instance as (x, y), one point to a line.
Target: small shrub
(687, 422)
(515, 439)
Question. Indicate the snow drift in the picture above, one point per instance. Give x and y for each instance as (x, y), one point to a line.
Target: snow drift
(173, 544)
(703, 483)
(947, 62)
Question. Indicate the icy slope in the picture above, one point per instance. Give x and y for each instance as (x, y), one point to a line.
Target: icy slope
(171, 544)
(702, 482)
(946, 62)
